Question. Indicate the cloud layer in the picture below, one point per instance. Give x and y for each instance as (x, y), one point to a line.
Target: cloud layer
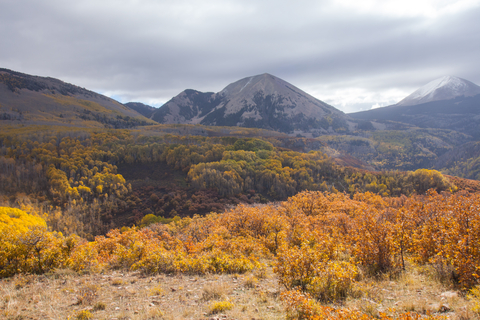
(351, 54)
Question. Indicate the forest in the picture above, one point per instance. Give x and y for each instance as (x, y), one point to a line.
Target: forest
(73, 176)
(92, 200)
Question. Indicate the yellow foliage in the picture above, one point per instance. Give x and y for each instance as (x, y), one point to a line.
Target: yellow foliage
(314, 267)
(26, 245)
(84, 315)
(220, 306)
(474, 296)
(18, 220)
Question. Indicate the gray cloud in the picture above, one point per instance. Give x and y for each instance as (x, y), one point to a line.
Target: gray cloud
(149, 51)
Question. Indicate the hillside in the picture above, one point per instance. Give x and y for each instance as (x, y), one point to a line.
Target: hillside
(460, 114)
(394, 149)
(462, 161)
(447, 103)
(132, 173)
(262, 101)
(440, 120)
(30, 99)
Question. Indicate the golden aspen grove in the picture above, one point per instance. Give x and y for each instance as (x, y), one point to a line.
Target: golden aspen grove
(79, 200)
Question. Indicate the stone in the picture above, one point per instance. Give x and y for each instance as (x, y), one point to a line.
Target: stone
(440, 307)
(449, 294)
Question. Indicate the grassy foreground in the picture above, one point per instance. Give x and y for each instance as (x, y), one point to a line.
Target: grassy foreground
(130, 295)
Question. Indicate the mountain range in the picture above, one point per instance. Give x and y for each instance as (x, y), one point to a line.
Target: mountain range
(434, 127)
(262, 101)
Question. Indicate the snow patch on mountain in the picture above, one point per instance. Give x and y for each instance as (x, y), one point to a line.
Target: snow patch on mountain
(250, 80)
(444, 88)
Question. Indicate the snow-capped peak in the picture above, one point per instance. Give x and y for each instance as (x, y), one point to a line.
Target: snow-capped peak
(456, 85)
(444, 88)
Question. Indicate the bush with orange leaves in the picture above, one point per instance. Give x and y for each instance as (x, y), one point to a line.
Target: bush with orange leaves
(448, 234)
(157, 251)
(301, 306)
(263, 223)
(317, 241)
(316, 266)
(379, 235)
(313, 258)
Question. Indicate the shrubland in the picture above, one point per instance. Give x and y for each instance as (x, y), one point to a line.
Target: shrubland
(321, 245)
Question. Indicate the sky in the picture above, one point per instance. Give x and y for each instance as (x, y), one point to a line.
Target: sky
(352, 54)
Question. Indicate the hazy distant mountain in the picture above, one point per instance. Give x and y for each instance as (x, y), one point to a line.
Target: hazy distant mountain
(39, 100)
(143, 109)
(445, 88)
(262, 101)
(446, 103)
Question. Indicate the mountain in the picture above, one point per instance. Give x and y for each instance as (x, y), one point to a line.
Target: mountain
(31, 99)
(145, 110)
(446, 103)
(262, 101)
(445, 88)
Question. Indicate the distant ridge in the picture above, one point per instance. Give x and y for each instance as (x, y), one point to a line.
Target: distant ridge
(261, 101)
(143, 109)
(44, 100)
(444, 88)
(446, 103)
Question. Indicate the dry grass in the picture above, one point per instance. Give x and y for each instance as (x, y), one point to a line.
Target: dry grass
(117, 295)
(417, 290)
(214, 291)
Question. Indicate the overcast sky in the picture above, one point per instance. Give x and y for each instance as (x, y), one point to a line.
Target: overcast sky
(353, 54)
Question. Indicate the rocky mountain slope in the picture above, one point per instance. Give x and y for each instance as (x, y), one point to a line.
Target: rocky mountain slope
(39, 100)
(262, 101)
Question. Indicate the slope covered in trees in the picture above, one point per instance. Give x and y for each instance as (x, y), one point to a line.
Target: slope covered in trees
(396, 149)
(75, 174)
(26, 99)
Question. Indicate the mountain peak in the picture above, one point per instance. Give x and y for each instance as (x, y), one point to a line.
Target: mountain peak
(260, 101)
(444, 88)
(261, 82)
